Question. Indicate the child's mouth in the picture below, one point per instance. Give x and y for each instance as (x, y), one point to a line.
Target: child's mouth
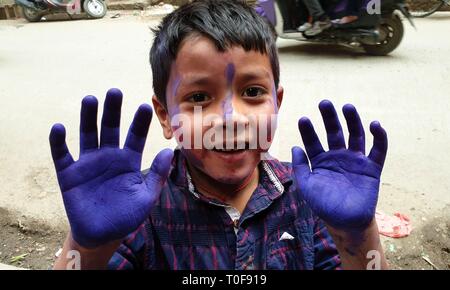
(228, 151)
(236, 154)
(235, 148)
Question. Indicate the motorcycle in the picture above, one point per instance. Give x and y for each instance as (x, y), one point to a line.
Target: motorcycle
(34, 10)
(378, 30)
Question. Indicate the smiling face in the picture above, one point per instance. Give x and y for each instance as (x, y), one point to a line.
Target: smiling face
(221, 108)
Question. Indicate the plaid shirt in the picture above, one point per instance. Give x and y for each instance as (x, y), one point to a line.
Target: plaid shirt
(186, 230)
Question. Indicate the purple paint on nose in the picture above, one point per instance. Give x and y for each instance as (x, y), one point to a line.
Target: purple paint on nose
(227, 107)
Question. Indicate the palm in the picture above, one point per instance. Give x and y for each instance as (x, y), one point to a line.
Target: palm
(105, 195)
(342, 185)
(110, 191)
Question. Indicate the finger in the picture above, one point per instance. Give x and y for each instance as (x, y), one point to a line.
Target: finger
(300, 165)
(333, 127)
(60, 153)
(356, 139)
(110, 130)
(160, 168)
(310, 139)
(88, 124)
(137, 134)
(380, 143)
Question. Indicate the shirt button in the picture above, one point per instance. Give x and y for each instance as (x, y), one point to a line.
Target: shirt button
(236, 223)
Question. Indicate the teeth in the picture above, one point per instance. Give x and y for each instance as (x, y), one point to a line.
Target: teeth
(227, 150)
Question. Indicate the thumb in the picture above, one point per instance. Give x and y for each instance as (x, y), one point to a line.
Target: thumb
(300, 165)
(159, 170)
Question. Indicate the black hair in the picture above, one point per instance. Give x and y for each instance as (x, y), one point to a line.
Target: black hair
(226, 22)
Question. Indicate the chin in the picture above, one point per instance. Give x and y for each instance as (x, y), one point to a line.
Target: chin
(231, 171)
(232, 177)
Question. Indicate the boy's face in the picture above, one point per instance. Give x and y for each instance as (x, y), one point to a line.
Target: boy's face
(221, 108)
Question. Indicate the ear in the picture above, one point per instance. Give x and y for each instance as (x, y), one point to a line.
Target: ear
(280, 92)
(163, 117)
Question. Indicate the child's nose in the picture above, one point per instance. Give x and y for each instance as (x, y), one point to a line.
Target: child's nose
(233, 112)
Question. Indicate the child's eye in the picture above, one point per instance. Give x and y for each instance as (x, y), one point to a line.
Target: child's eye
(254, 92)
(199, 98)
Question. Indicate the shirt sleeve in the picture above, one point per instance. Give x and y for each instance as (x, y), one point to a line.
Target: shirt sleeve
(135, 251)
(326, 256)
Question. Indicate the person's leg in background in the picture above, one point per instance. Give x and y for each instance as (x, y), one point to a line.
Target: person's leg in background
(321, 21)
(353, 8)
(305, 17)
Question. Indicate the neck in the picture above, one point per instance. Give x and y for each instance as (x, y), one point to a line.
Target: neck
(236, 195)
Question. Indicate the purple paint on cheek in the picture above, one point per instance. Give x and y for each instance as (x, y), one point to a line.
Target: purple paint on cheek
(275, 100)
(175, 108)
(227, 106)
(274, 119)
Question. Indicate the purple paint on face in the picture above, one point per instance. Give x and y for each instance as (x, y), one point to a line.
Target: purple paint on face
(230, 72)
(175, 108)
(227, 106)
(275, 100)
(273, 121)
(176, 85)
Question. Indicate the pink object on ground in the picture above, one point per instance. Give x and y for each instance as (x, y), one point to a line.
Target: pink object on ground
(397, 226)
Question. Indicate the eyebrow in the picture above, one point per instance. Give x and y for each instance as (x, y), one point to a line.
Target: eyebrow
(198, 79)
(254, 74)
(206, 79)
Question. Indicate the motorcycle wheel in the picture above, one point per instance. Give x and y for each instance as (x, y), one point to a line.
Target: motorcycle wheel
(31, 15)
(391, 34)
(95, 8)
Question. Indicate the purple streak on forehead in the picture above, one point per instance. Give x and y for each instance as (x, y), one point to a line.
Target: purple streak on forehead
(229, 73)
(176, 85)
(227, 107)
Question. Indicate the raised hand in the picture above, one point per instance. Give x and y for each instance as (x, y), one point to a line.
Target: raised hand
(105, 195)
(342, 185)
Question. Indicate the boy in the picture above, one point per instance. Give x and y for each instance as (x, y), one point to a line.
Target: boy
(217, 204)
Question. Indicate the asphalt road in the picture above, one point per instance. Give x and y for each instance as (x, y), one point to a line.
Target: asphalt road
(46, 68)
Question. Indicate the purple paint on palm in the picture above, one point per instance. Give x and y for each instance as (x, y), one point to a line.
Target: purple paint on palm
(104, 192)
(341, 185)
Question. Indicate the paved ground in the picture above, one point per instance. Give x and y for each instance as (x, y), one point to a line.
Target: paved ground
(46, 68)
